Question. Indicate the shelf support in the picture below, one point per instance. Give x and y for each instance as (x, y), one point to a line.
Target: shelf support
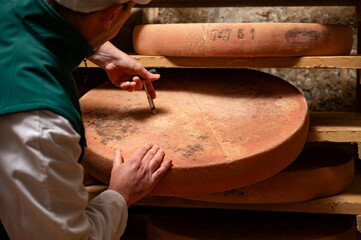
(358, 222)
(306, 62)
(358, 78)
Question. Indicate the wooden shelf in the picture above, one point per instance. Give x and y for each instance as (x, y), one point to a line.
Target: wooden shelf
(335, 127)
(324, 126)
(310, 62)
(348, 202)
(243, 3)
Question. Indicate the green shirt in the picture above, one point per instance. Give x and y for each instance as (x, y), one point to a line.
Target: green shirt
(39, 51)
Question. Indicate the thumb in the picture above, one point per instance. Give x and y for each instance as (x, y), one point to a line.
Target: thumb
(150, 75)
(118, 158)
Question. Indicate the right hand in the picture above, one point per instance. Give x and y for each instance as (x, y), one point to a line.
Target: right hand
(120, 68)
(136, 177)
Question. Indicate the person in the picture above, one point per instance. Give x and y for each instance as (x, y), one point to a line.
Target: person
(42, 139)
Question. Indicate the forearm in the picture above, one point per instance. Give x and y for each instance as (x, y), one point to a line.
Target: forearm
(107, 54)
(97, 166)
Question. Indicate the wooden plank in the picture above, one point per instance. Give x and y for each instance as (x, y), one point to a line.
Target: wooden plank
(358, 76)
(243, 3)
(310, 62)
(348, 202)
(335, 127)
(358, 223)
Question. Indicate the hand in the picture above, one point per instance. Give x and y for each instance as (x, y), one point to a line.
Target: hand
(121, 68)
(136, 177)
(120, 75)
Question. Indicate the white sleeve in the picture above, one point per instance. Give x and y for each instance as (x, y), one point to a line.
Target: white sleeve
(42, 193)
(103, 218)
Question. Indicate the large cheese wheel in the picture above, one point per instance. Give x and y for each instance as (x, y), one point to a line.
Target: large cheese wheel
(317, 172)
(223, 129)
(208, 224)
(242, 39)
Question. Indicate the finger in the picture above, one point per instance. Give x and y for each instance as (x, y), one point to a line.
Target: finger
(150, 89)
(157, 160)
(138, 83)
(136, 79)
(145, 74)
(140, 153)
(124, 85)
(150, 154)
(158, 174)
(131, 87)
(118, 159)
(149, 77)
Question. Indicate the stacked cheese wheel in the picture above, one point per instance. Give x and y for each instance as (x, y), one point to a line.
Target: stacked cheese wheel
(319, 171)
(242, 39)
(223, 129)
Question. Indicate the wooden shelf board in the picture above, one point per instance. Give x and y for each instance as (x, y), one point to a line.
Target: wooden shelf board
(310, 62)
(335, 127)
(244, 3)
(348, 202)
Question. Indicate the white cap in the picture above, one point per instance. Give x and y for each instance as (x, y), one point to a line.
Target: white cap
(87, 6)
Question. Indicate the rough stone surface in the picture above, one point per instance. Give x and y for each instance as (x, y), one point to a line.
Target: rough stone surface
(324, 89)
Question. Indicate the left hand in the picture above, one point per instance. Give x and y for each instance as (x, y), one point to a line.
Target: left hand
(137, 176)
(122, 69)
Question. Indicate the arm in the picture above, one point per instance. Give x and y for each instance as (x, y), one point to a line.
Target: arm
(121, 68)
(134, 178)
(41, 181)
(97, 166)
(42, 192)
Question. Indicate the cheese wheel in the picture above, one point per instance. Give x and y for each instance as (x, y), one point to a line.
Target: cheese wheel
(242, 39)
(194, 224)
(223, 129)
(317, 172)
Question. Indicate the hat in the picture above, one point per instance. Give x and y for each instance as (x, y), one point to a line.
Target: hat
(87, 6)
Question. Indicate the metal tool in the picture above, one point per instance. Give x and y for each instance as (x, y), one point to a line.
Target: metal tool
(150, 100)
